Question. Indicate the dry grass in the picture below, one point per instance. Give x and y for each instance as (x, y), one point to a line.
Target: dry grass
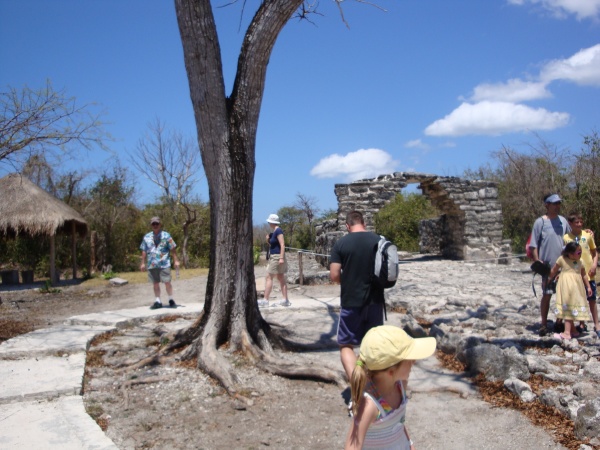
(547, 417)
(559, 426)
(142, 277)
(11, 328)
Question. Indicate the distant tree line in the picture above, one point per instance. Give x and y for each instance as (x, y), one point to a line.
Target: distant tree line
(524, 178)
(116, 225)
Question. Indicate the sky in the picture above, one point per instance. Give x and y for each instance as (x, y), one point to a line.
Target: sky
(428, 86)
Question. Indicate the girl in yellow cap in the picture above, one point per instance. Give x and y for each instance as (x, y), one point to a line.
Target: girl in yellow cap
(378, 386)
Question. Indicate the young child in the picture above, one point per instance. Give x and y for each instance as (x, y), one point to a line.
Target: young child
(589, 258)
(571, 289)
(378, 386)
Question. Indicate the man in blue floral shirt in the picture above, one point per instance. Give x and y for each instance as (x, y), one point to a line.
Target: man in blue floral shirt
(156, 247)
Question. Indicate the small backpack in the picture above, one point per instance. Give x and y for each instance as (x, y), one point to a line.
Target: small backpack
(528, 250)
(385, 270)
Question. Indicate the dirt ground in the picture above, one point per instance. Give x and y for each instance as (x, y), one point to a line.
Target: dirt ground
(176, 406)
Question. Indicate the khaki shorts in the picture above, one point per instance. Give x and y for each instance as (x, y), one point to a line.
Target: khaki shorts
(274, 268)
(159, 275)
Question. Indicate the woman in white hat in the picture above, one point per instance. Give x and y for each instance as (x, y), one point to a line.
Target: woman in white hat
(277, 265)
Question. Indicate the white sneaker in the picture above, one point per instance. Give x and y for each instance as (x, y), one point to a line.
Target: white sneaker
(262, 303)
(285, 302)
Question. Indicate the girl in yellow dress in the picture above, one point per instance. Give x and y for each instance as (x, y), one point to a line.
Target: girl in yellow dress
(571, 288)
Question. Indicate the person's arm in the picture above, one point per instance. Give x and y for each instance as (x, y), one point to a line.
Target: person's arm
(282, 248)
(412, 446)
(592, 273)
(143, 264)
(175, 258)
(365, 416)
(586, 282)
(553, 272)
(335, 272)
(536, 238)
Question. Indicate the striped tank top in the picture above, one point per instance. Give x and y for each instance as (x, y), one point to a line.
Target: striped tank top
(387, 432)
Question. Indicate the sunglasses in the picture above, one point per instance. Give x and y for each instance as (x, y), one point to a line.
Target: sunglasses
(156, 224)
(555, 203)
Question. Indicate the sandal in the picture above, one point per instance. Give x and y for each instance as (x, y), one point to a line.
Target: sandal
(582, 328)
(561, 337)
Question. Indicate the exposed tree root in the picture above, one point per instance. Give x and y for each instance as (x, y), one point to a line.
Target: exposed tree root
(201, 344)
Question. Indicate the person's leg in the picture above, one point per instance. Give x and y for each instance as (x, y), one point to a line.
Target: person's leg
(169, 288)
(283, 284)
(268, 286)
(348, 336)
(544, 308)
(594, 313)
(569, 328)
(156, 287)
(348, 358)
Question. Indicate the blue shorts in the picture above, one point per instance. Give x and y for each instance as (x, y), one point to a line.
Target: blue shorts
(592, 298)
(355, 322)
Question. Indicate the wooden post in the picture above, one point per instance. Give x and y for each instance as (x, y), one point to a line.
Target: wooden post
(52, 260)
(74, 249)
(93, 240)
(301, 275)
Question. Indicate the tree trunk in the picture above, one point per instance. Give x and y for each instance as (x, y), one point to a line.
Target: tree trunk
(227, 135)
(190, 219)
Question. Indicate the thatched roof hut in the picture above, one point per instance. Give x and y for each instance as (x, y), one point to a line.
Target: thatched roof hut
(26, 208)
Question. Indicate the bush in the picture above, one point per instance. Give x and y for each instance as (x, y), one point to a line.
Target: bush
(399, 220)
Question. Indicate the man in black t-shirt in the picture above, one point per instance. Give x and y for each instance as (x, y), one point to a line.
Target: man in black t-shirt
(352, 260)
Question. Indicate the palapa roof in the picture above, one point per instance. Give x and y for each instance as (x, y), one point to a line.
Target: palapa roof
(27, 208)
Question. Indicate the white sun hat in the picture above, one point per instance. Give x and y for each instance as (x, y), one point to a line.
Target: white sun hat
(273, 218)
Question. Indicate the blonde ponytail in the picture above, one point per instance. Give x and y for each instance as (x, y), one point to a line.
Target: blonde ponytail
(357, 384)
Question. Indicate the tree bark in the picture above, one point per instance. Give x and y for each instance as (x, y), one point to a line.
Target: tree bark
(227, 136)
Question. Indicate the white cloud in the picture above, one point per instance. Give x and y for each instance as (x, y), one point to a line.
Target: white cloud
(582, 68)
(417, 143)
(356, 165)
(495, 118)
(582, 9)
(514, 90)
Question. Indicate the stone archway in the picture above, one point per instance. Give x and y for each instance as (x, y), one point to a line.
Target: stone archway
(469, 228)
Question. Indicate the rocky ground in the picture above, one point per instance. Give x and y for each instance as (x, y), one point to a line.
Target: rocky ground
(484, 317)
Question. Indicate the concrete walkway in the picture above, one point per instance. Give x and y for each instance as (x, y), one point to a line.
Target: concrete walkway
(41, 403)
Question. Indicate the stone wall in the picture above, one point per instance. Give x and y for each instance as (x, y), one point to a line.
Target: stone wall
(471, 215)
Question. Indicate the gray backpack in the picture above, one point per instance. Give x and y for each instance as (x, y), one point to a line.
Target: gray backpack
(385, 270)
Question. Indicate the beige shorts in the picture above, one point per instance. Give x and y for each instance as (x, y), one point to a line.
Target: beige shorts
(158, 275)
(274, 268)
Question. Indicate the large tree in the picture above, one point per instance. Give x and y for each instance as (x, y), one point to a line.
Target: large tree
(227, 126)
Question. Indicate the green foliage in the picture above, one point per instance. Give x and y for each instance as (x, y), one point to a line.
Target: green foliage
(118, 226)
(328, 214)
(524, 178)
(399, 220)
(256, 254)
(109, 275)
(48, 289)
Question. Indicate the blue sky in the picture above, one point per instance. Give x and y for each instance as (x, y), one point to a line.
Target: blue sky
(431, 86)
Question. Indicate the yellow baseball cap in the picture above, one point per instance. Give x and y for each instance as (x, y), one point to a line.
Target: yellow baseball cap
(386, 345)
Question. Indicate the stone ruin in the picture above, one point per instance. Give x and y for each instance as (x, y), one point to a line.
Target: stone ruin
(469, 227)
